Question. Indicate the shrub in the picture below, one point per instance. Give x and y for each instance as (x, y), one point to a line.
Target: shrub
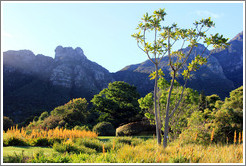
(40, 142)
(90, 143)
(135, 128)
(17, 158)
(7, 123)
(179, 159)
(39, 157)
(14, 141)
(104, 128)
(128, 140)
(71, 148)
(43, 115)
(51, 122)
(94, 144)
(86, 128)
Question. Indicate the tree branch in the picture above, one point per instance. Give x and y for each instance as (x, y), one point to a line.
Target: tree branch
(180, 99)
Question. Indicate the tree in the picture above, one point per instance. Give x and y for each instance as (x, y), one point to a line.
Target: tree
(118, 103)
(179, 120)
(224, 118)
(43, 116)
(164, 39)
(74, 113)
(7, 123)
(229, 118)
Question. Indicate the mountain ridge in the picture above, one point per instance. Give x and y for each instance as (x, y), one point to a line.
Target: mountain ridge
(46, 82)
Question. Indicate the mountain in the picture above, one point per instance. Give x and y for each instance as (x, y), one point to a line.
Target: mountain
(33, 84)
(231, 60)
(36, 83)
(222, 73)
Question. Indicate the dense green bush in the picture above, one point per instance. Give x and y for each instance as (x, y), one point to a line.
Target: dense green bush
(71, 148)
(14, 141)
(128, 140)
(93, 144)
(86, 128)
(104, 128)
(43, 115)
(7, 123)
(118, 103)
(41, 142)
(51, 122)
(135, 128)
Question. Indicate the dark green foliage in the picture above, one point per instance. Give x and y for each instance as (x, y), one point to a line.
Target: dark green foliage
(197, 126)
(224, 117)
(26, 122)
(51, 122)
(86, 128)
(128, 140)
(70, 148)
(17, 158)
(202, 101)
(39, 157)
(211, 101)
(43, 115)
(104, 129)
(94, 144)
(229, 118)
(135, 128)
(41, 142)
(7, 123)
(179, 159)
(14, 141)
(118, 103)
(35, 118)
(74, 113)
(178, 121)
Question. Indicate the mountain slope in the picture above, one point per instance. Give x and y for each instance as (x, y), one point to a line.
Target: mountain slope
(222, 73)
(231, 60)
(34, 84)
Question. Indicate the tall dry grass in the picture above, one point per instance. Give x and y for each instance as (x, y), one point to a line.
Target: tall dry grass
(188, 153)
(51, 134)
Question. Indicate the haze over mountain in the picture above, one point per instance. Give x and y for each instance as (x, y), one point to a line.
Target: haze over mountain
(33, 84)
(222, 73)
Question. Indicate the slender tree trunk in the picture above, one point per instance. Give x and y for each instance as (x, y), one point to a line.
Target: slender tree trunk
(158, 133)
(167, 113)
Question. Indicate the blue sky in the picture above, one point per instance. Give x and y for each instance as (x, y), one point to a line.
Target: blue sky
(103, 30)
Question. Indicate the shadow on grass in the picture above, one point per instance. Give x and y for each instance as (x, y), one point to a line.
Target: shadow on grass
(110, 138)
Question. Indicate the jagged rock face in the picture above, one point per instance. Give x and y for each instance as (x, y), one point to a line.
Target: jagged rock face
(68, 54)
(73, 70)
(33, 84)
(210, 78)
(43, 83)
(231, 60)
(62, 76)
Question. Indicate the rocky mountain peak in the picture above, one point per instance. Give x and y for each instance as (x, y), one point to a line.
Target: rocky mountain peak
(14, 57)
(65, 54)
(238, 37)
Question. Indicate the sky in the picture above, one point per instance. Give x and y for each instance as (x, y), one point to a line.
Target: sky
(103, 29)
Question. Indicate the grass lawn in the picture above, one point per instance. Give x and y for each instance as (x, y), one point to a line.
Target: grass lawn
(106, 138)
(110, 138)
(28, 150)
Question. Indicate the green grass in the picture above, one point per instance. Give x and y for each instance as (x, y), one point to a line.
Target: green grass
(28, 150)
(110, 138)
(138, 152)
(106, 138)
